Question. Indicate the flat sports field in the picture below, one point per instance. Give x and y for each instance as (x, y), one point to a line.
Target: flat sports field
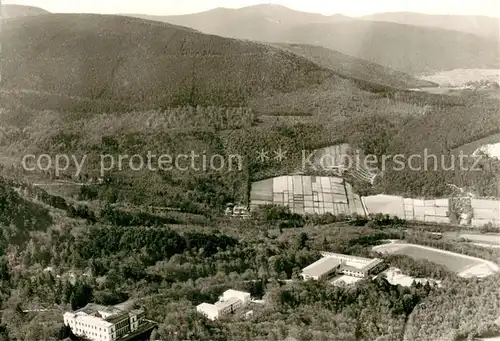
(464, 266)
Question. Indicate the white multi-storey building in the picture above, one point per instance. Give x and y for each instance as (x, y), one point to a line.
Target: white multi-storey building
(241, 295)
(320, 269)
(101, 323)
(228, 303)
(338, 263)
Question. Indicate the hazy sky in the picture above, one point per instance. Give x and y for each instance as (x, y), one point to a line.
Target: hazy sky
(327, 7)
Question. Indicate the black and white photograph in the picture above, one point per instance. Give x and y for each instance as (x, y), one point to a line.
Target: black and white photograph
(250, 170)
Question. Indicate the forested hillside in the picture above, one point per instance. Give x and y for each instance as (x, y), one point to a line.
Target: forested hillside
(459, 313)
(19, 217)
(18, 11)
(137, 61)
(356, 68)
(384, 124)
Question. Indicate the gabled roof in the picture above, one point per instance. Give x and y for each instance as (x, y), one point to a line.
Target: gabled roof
(82, 316)
(321, 267)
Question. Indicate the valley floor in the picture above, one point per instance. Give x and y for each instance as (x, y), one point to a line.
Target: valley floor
(458, 77)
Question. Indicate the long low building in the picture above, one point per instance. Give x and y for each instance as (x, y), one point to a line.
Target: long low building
(333, 263)
(321, 269)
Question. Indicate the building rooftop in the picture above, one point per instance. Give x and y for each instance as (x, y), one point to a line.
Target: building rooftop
(372, 264)
(95, 319)
(224, 304)
(234, 293)
(117, 317)
(136, 311)
(108, 314)
(205, 306)
(356, 259)
(321, 267)
(345, 267)
(353, 263)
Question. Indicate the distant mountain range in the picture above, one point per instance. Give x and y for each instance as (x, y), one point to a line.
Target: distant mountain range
(408, 48)
(414, 47)
(260, 22)
(479, 25)
(276, 17)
